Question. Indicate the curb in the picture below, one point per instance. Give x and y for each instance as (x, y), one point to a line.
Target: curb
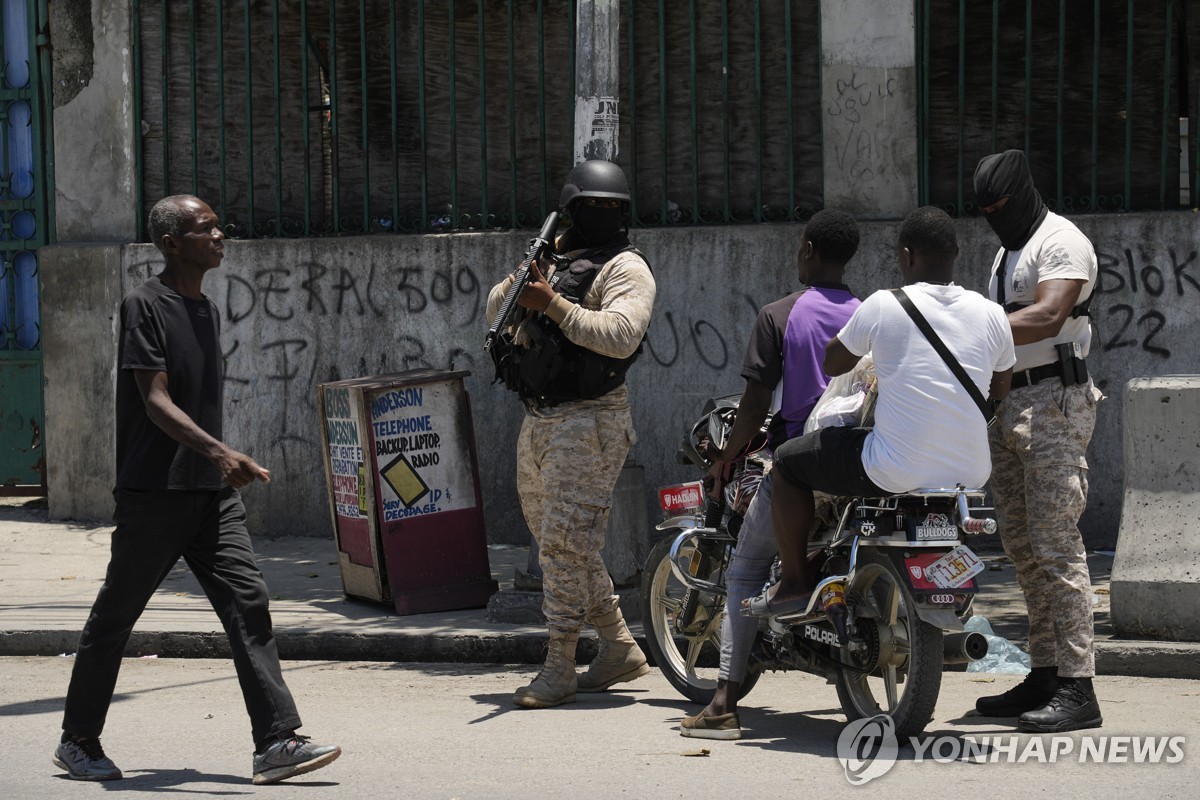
(1148, 659)
(502, 648)
(1143, 659)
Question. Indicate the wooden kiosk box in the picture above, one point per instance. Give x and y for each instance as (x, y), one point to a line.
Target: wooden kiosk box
(403, 483)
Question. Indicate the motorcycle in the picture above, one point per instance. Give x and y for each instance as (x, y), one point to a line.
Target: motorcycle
(895, 583)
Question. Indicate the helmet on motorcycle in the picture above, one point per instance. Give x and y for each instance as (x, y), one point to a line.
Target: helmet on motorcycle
(603, 180)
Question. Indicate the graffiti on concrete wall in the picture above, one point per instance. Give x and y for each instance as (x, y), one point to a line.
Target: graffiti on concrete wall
(861, 147)
(1136, 281)
(290, 326)
(678, 334)
(292, 301)
(288, 329)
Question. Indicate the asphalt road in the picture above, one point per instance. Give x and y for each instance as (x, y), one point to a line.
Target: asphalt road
(177, 728)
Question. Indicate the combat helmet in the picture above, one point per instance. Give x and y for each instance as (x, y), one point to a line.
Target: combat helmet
(596, 178)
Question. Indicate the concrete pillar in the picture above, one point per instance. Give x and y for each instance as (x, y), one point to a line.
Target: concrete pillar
(82, 286)
(597, 61)
(1156, 574)
(94, 140)
(869, 106)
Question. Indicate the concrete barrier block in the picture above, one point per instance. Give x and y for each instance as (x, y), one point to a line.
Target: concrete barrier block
(1156, 573)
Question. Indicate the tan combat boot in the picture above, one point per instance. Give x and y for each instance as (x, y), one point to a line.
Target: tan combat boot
(556, 683)
(618, 659)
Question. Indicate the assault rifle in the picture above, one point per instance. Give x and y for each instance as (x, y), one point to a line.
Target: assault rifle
(537, 245)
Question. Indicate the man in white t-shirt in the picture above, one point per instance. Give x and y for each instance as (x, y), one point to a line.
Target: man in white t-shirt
(1044, 276)
(928, 430)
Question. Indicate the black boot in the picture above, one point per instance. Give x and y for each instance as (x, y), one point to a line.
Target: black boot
(1073, 707)
(1033, 692)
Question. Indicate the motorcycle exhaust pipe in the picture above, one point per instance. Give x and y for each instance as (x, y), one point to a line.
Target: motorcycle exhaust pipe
(963, 648)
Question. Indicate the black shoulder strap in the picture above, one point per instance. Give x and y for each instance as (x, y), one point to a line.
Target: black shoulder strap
(923, 325)
(1001, 276)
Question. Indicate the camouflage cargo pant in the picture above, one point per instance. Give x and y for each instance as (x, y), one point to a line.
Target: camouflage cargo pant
(1039, 479)
(567, 468)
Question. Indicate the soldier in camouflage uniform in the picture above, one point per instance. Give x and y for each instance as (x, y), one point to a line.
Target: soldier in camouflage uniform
(596, 303)
(1044, 276)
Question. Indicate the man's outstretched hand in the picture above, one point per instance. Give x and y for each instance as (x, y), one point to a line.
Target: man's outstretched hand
(239, 469)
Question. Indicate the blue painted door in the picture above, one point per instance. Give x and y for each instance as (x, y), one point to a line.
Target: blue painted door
(25, 222)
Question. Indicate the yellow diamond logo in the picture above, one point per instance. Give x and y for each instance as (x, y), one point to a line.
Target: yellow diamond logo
(404, 480)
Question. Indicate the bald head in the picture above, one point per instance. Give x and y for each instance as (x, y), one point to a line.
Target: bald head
(169, 215)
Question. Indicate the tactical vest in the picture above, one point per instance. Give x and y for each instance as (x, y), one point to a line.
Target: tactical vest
(553, 369)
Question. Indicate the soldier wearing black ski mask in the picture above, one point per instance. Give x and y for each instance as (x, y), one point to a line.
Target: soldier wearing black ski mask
(1044, 276)
(1003, 181)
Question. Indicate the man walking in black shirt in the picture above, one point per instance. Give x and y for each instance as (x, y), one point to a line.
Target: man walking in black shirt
(177, 496)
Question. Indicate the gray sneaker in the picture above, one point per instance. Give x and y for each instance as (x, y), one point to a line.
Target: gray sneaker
(289, 757)
(85, 761)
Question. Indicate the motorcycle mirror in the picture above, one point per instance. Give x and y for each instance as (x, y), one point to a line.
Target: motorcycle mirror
(720, 423)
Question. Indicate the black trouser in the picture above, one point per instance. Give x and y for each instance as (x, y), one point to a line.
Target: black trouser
(827, 460)
(208, 529)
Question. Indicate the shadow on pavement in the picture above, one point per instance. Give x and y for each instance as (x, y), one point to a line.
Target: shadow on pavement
(791, 731)
(177, 780)
(173, 780)
(503, 704)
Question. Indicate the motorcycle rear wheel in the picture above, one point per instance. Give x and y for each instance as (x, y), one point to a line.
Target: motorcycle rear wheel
(690, 659)
(907, 676)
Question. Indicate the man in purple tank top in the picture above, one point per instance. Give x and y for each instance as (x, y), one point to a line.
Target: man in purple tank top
(782, 368)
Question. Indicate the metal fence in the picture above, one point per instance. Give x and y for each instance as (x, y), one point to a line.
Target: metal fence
(1101, 94)
(26, 224)
(25, 215)
(362, 116)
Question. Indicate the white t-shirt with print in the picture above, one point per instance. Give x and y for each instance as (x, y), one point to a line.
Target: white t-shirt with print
(1057, 250)
(928, 431)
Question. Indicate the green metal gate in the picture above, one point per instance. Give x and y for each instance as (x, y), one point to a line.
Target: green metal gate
(26, 223)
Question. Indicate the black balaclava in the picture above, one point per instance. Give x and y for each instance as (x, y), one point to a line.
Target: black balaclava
(1007, 175)
(596, 225)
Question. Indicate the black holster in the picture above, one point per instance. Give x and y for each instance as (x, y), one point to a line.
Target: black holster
(1071, 363)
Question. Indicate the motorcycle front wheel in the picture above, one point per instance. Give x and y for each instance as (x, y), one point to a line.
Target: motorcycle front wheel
(898, 671)
(683, 627)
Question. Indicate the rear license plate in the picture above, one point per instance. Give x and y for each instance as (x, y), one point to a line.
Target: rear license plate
(681, 497)
(954, 569)
(914, 570)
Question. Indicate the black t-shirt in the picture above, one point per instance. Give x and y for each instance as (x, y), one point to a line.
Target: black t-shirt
(163, 331)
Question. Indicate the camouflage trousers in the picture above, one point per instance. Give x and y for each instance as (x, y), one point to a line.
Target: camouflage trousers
(1039, 480)
(567, 468)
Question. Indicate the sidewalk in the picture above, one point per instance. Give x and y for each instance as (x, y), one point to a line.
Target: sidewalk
(50, 573)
